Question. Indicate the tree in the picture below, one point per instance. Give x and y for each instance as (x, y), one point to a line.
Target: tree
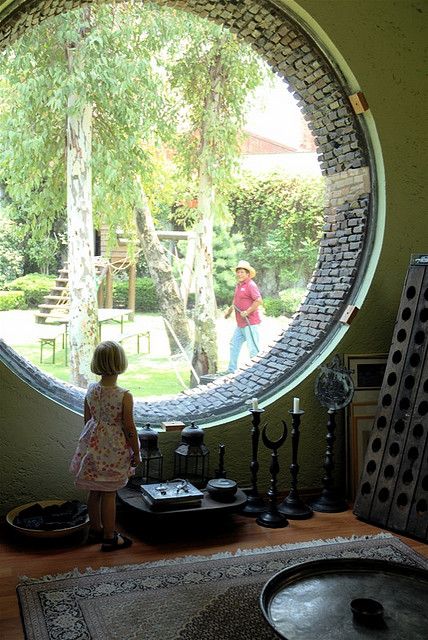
(280, 218)
(112, 92)
(224, 71)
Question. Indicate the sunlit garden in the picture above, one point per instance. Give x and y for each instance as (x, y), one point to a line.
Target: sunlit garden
(123, 186)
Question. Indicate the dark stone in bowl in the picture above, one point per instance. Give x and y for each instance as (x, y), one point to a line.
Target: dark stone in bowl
(367, 611)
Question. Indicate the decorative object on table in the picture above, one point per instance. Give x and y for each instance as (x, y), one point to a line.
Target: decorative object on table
(49, 518)
(255, 503)
(172, 425)
(151, 468)
(171, 495)
(293, 506)
(220, 471)
(222, 489)
(84, 603)
(347, 598)
(272, 517)
(393, 488)
(334, 389)
(191, 457)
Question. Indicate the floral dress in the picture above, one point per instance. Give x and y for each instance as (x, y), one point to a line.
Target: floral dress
(102, 461)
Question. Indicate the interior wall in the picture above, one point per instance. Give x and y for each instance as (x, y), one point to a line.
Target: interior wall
(384, 44)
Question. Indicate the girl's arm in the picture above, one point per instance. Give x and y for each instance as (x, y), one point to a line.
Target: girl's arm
(129, 426)
(86, 412)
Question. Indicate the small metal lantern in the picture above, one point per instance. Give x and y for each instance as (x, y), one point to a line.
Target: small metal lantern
(151, 467)
(191, 457)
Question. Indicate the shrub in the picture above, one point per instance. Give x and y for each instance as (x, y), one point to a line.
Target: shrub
(291, 299)
(286, 304)
(273, 307)
(34, 287)
(146, 298)
(11, 300)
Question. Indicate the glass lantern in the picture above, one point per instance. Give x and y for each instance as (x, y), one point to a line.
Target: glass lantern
(191, 457)
(151, 468)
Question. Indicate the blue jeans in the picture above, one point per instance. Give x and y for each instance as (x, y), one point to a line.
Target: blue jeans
(248, 334)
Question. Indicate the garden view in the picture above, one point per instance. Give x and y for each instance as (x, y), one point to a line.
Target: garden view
(117, 124)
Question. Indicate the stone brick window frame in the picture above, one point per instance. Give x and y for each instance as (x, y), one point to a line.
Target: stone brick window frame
(347, 164)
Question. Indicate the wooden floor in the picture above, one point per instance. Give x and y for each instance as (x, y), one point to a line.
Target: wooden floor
(25, 556)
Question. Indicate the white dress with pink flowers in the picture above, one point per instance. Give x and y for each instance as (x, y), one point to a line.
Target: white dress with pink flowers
(102, 461)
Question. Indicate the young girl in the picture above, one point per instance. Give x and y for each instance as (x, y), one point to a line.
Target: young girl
(108, 445)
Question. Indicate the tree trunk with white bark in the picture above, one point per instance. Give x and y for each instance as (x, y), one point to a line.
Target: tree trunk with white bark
(83, 316)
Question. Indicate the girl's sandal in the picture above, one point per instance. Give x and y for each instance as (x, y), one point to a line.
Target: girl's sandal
(119, 541)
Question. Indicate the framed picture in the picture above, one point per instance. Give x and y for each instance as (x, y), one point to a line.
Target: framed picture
(367, 372)
(362, 420)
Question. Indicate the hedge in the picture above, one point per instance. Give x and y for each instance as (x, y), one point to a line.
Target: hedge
(34, 286)
(12, 300)
(146, 298)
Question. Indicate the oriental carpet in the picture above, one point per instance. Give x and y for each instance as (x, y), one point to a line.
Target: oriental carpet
(190, 598)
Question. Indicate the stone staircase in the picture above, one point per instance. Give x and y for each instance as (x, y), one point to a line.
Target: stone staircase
(56, 303)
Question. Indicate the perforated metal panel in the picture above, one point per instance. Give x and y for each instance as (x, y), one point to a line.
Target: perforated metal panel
(393, 490)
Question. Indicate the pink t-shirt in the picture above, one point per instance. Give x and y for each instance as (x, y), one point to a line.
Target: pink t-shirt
(245, 294)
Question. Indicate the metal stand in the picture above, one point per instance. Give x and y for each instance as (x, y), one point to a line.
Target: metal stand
(220, 472)
(329, 501)
(272, 517)
(292, 506)
(255, 503)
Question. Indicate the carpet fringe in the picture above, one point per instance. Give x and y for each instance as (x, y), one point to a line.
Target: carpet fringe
(74, 573)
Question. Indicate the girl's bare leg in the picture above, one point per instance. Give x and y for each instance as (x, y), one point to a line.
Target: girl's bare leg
(108, 513)
(94, 510)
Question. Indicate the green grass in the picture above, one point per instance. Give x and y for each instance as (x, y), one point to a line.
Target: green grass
(146, 375)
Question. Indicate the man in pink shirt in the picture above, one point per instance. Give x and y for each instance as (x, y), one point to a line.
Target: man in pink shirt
(246, 302)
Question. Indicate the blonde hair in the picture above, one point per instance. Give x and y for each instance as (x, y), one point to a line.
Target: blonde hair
(109, 359)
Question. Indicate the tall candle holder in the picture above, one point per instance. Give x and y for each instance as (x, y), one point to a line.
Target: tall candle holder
(272, 517)
(255, 503)
(334, 389)
(292, 506)
(330, 501)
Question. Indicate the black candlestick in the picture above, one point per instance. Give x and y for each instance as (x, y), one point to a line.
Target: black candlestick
(220, 472)
(292, 506)
(329, 501)
(255, 503)
(272, 517)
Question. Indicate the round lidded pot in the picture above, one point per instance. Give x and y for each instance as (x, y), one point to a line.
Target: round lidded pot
(222, 489)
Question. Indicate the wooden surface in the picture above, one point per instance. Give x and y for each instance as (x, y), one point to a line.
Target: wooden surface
(24, 556)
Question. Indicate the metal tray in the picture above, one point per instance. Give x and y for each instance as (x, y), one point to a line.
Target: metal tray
(312, 600)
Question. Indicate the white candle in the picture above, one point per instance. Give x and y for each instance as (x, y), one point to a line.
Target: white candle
(254, 404)
(296, 405)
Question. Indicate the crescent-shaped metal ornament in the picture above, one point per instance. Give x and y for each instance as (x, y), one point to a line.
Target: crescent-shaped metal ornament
(277, 443)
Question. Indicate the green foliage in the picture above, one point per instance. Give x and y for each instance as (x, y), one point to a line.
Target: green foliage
(11, 300)
(34, 287)
(280, 218)
(286, 304)
(228, 250)
(146, 298)
(11, 260)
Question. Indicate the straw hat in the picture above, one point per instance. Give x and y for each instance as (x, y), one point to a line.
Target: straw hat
(243, 264)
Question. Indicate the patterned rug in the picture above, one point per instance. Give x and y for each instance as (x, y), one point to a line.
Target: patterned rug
(191, 598)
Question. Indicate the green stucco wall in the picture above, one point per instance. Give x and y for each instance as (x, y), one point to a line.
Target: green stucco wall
(384, 44)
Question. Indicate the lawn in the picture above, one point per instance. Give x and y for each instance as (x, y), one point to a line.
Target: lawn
(149, 375)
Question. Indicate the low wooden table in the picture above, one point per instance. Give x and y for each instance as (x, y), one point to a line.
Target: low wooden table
(133, 498)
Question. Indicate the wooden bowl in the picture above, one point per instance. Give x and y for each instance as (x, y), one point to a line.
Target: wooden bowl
(41, 533)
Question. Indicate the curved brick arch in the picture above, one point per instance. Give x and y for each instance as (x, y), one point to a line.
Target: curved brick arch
(345, 164)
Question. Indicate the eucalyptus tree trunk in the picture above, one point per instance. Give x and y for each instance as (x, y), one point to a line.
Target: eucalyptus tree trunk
(170, 302)
(205, 350)
(83, 322)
